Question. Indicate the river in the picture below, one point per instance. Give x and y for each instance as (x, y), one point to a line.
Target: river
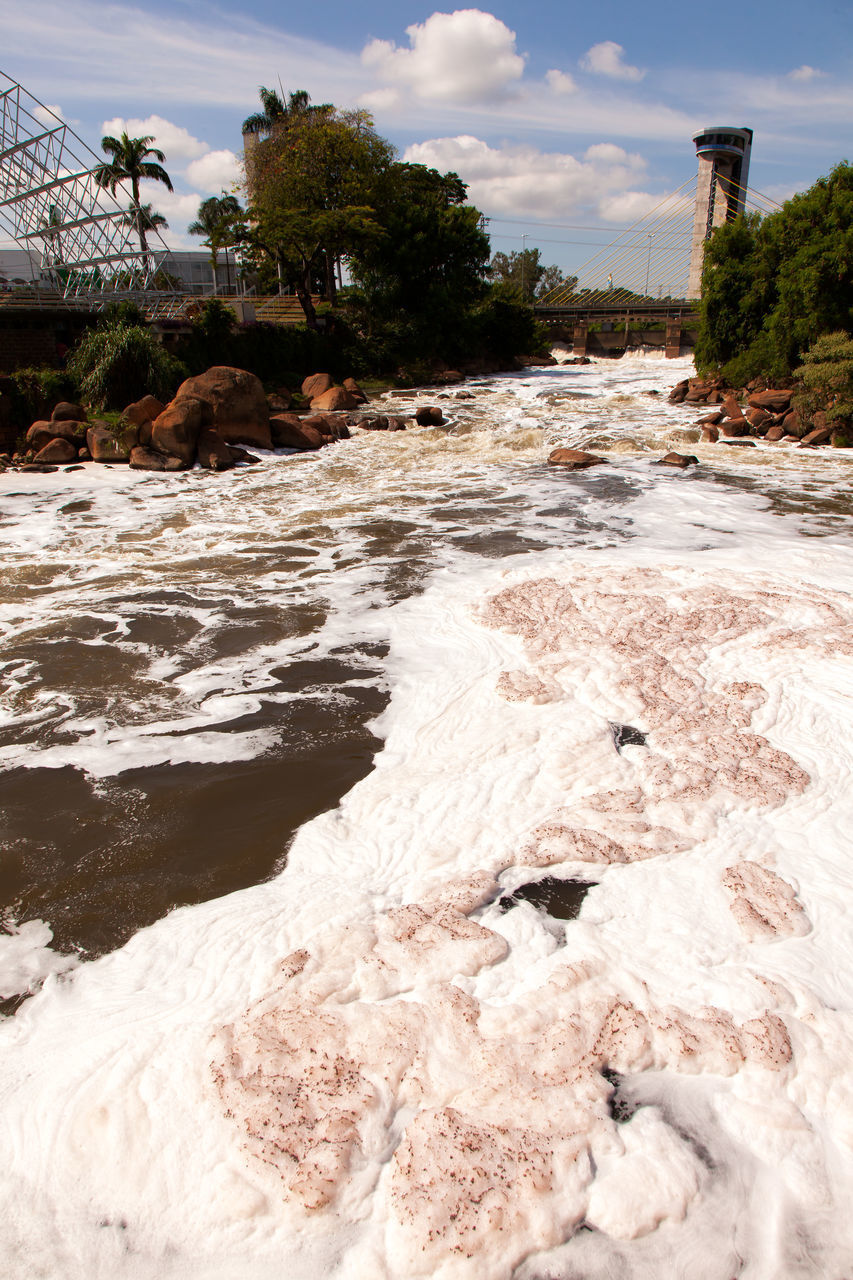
(420, 861)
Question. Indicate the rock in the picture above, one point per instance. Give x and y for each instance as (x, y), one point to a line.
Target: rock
(773, 401)
(679, 391)
(213, 453)
(146, 431)
(711, 419)
(677, 460)
(730, 429)
(240, 413)
(841, 438)
(428, 416)
(794, 425)
(819, 436)
(83, 455)
(177, 428)
(532, 362)
(39, 435)
(41, 467)
(291, 432)
(76, 467)
(379, 423)
(316, 383)
(332, 426)
(144, 459)
(103, 445)
(573, 459)
(699, 389)
(710, 435)
(145, 410)
(759, 419)
(733, 409)
(747, 443)
(280, 401)
(65, 411)
(57, 451)
(69, 429)
(241, 455)
(334, 398)
(350, 385)
(447, 378)
(775, 433)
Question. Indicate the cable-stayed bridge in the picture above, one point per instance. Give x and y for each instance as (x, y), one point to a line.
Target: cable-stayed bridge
(643, 274)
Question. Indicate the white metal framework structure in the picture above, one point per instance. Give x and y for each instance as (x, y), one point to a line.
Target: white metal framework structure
(52, 206)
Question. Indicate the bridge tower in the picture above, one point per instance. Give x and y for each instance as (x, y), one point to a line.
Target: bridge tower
(723, 153)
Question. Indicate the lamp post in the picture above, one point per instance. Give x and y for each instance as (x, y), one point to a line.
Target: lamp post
(523, 256)
(649, 261)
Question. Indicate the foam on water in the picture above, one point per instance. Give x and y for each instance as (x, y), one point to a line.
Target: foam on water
(371, 1066)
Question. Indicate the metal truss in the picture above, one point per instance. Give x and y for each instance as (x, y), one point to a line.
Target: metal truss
(74, 231)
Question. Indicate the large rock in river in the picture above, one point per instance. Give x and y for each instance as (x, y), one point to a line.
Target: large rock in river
(774, 401)
(334, 398)
(213, 452)
(240, 413)
(291, 432)
(573, 459)
(315, 384)
(177, 428)
(57, 450)
(103, 445)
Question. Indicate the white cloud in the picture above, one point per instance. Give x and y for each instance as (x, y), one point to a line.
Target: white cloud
(605, 59)
(176, 142)
(48, 113)
(805, 73)
(216, 171)
(512, 180)
(380, 100)
(560, 82)
(463, 57)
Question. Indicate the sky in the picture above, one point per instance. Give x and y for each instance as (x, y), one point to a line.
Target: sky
(568, 121)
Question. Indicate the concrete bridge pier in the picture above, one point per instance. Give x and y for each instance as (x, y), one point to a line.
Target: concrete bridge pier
(579, 335)
(673, 338)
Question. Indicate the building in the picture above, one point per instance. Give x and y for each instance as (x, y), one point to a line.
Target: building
(190, 269)
(723, 152)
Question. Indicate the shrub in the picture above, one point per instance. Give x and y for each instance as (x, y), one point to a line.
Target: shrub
(826, 375)
(36, 391)
(118, 363)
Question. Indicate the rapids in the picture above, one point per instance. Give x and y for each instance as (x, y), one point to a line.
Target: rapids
(418, 861)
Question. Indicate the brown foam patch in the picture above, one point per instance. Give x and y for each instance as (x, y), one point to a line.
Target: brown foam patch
(764, 905)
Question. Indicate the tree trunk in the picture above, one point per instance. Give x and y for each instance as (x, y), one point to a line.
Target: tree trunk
(331, 292)
(303, 293)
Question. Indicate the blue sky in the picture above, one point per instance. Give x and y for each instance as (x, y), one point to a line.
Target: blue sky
(559, 113)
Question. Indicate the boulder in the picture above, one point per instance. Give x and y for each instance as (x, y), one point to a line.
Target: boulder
(280, 401)
(447, 378)
(775, 433)
(39, 435)
(83, 455)
(749, 444)
(69, 429)
(65, 411)
(142, 411)
(794, 425)
(176, 430)
(773, 401)
(427, 415)
(241, 455)
(316, 383)
(239, 410)
(145, 459)
(213, 453)
(679, 391)
(759, 419)
(730, 429)
(350, 385)
(146, 431)
(711, 419)
(41, 467)
(334, 398)
(820, 435)
(733, 409)
(57, 451)
(103, 445)
(573, 459)
(678, 460)
(291, 432)
(710, 435)
(332, 426)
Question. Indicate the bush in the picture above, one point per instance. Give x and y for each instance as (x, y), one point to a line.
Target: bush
(826, 375)
(118, 363)
(36, 391)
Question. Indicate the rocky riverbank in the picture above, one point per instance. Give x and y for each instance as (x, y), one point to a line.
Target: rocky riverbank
(758, 411)
(210, 422)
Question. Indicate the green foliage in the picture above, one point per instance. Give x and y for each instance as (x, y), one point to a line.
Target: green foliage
(771, 287)
(130, 163)
(526, 277)
(119, 363)
(36, 391)
(826, 375)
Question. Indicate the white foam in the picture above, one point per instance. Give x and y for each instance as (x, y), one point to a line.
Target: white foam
(26, 958)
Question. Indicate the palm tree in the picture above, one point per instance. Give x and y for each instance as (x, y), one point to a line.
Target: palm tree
(275, 111)
(146, 217)
(130, 163)
(217, 218)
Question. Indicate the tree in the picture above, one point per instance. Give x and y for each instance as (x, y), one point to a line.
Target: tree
(826, 375)
(771, 287)
(420, 278)
(130, 163)
(145, 217)
(309, 187)
(525, 276)
(552, 280)
(221, 219)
